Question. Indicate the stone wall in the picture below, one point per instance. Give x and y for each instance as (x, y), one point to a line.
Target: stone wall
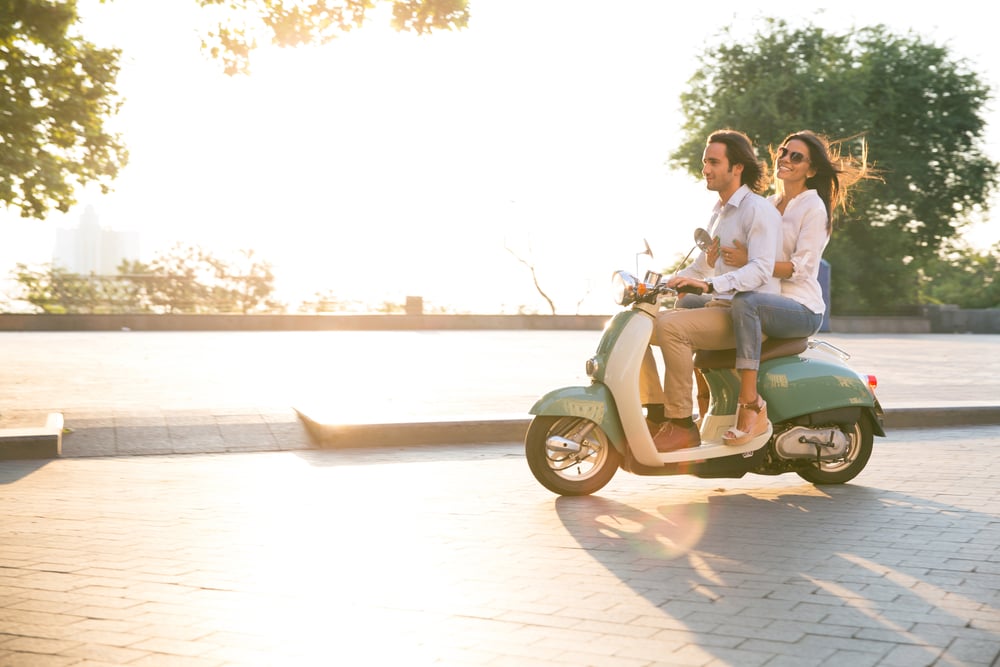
(937, 319)
(19, 322)
(952, 319)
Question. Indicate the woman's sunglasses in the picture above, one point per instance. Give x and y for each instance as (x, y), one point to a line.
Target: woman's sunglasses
(794, 157)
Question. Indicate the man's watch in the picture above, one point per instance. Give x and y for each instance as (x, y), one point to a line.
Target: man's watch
(711, 287)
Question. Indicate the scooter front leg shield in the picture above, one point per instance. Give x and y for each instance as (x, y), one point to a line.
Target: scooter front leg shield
(594, 403)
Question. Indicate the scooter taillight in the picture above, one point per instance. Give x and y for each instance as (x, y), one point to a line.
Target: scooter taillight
(872, 383)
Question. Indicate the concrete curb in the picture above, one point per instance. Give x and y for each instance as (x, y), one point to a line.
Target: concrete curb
(977, 415)
(33, 442)
(345, 436)
(414, 433)
(36, 441)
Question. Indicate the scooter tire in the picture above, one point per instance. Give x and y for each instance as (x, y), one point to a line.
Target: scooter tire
(570, 473)
(840, 472)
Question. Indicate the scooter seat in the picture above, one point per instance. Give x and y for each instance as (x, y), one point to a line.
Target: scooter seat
(772, 347)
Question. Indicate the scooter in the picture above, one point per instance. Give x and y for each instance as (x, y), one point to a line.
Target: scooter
(824, 414)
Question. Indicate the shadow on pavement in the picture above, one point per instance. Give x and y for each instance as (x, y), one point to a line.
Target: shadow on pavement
(12, 471)
(848, 570)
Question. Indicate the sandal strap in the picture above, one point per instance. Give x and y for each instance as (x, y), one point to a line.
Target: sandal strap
(756, 406)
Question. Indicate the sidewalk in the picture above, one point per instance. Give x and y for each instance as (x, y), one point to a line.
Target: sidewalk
(456, 556)
(125, 393)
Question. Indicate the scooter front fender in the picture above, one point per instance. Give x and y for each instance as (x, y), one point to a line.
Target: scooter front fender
(594, 403)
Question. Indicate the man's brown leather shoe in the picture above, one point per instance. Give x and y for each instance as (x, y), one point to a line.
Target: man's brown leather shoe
(673, 436)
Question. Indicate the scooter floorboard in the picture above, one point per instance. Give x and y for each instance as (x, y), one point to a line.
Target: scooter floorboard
(714, 447)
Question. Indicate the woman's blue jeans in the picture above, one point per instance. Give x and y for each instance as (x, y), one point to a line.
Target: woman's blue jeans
(757, 313)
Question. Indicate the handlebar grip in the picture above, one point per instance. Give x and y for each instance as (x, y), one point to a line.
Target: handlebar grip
(689, 289)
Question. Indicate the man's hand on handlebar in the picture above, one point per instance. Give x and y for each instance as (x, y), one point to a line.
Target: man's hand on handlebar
(685, 285)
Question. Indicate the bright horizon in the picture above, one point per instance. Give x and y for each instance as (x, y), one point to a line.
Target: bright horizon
(386, 165)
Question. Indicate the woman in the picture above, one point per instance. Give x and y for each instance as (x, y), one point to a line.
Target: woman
(812, 181)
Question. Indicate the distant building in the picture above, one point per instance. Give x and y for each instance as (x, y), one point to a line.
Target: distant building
(90, 249)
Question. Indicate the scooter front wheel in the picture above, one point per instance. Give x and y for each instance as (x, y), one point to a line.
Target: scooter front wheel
(570, 456)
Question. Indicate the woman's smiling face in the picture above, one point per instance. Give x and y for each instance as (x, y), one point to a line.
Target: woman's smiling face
(794, 163)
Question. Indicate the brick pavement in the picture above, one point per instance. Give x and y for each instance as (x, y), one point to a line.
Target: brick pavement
(456, 556)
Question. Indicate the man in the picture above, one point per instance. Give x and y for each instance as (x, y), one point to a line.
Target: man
(731, 169)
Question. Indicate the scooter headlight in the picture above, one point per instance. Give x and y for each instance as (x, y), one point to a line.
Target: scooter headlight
(624, 287)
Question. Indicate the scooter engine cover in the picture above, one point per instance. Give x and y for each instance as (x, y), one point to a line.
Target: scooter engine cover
(801, 442)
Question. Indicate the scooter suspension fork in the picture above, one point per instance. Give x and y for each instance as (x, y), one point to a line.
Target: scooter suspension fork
(571, 442)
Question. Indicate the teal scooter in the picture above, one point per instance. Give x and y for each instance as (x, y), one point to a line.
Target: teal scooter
(824, 414)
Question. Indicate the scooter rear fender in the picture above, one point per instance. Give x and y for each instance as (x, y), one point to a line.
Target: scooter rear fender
(796, 386)
(594, 403)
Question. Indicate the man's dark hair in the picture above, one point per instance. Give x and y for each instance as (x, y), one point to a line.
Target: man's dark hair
(739, 150)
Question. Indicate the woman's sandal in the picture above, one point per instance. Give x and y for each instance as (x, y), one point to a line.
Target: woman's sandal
(735, 437)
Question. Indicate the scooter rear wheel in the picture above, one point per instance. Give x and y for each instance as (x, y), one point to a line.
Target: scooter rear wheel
(576, 469)
(854, 461)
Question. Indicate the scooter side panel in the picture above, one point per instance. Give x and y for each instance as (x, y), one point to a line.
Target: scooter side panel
(796, 386)
(594, 403)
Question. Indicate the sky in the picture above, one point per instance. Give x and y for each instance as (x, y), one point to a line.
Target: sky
(387, 165)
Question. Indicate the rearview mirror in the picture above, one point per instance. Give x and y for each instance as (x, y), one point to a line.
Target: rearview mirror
(702, 238)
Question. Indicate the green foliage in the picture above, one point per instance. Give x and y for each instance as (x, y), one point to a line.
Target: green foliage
(324, 302)
(247, 23)
(180, 281)
(189, 280)
(55, 290)
(56, 91)
(52, 289)
(327, 302)
(964, 277)
(919, 110)
(184, 280)
(245, 285)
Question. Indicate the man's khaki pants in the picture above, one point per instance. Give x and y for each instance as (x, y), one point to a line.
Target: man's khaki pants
(678, 333)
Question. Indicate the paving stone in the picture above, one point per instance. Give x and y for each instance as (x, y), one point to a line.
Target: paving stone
(129, 551)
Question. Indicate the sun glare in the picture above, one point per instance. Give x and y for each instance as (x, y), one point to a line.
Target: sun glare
(385, 164)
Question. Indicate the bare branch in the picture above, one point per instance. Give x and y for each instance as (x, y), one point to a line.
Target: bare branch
(534, 277)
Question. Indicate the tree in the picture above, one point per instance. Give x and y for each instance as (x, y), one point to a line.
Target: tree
(965, 277)
(134, 281)
(243, 286)
(180, 281)
(245, 23)
(188, 279)
(184, 280)
(56, 92)
(919, 110)
(326, 302)
(53, 289)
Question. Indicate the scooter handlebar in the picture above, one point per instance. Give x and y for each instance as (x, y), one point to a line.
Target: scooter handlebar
(628, 290)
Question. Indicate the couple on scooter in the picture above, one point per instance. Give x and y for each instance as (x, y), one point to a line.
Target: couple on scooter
(767, 282)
